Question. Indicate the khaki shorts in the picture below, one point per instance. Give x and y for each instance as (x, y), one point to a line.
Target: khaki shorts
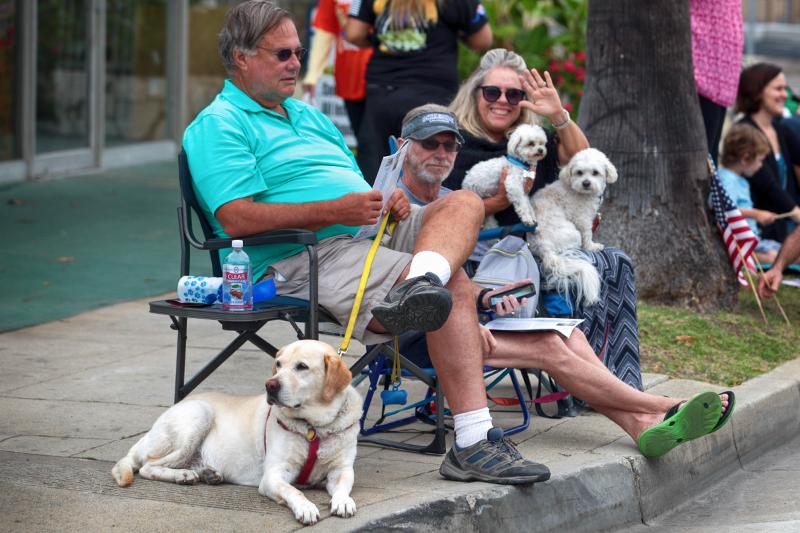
(341, 261)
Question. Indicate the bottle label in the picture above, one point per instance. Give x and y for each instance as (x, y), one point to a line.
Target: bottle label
(236, 292)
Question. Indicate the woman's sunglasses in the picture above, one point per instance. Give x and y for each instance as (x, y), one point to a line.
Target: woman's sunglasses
(432, 145)
(284, 54)
(491, 93)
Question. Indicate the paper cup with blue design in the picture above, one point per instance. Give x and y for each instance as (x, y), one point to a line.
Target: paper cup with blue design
(200, 289)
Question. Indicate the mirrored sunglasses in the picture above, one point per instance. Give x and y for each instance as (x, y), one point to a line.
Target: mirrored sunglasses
(491, 93)
(433, 145)
(284, 54)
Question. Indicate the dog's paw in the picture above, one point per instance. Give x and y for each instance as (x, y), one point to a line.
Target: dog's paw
(528, 220)
(594, 247)
(187, 477)
(211, 476)
(343, 506)
(306, 513)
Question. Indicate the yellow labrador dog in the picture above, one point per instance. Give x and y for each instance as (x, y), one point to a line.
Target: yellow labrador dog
(303, 431)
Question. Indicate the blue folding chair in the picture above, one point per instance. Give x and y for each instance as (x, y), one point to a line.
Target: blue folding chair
(394, 410)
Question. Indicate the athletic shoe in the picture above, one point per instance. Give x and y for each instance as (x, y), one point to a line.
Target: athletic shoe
(418, 304)
(493, 460)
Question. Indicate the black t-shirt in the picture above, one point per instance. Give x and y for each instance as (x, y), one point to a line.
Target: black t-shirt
(765, 185)
(476, 150)
(424, 50)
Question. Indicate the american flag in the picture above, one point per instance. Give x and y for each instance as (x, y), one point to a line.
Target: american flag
(740, 241)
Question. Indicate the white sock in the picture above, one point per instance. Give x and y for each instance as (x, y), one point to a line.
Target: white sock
(472, 426)
(427, 261)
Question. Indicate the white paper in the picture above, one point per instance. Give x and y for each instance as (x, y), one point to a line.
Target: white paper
(564, 326)
(386, 182)
(794, 282)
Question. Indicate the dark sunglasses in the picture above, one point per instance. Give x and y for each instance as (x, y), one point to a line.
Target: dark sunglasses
(433, 145)
(284, 54)
(491, 93)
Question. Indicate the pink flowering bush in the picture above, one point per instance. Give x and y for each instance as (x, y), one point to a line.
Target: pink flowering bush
(549, 34)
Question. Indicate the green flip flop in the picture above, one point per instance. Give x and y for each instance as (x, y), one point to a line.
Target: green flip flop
(695, 418)
(727, 414)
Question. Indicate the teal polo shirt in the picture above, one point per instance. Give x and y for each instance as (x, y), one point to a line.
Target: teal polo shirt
(237, 148)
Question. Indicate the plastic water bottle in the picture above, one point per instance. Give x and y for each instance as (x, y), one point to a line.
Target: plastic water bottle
(237, 287)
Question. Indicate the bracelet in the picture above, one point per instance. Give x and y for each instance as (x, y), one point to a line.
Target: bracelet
(479, 301)
(562, 125)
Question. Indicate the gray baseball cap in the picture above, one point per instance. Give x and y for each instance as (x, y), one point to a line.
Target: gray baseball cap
(428, 124)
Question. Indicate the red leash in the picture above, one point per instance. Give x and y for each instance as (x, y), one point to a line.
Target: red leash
(313, 447)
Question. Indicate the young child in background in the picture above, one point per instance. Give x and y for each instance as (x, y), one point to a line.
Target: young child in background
(743, 151)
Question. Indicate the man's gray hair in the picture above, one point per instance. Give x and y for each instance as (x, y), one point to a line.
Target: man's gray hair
(245, 24)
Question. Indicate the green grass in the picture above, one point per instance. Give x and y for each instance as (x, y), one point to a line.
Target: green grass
(724, 347)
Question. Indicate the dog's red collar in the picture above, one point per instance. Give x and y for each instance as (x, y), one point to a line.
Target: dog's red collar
(313, 447)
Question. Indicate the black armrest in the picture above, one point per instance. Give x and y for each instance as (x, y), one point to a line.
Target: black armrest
(298, 236)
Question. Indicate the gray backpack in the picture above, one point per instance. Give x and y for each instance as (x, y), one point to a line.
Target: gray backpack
(507, 261)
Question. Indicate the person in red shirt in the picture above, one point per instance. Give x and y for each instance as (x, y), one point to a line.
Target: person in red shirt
(350, 63)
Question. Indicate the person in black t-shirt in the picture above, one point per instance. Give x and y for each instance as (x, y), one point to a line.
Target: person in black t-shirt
(414, 62)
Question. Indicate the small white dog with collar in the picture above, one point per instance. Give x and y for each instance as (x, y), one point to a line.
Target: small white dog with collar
(526, 147)
(566, 210)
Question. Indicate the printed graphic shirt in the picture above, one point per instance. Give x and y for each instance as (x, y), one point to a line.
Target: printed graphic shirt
(418, 46)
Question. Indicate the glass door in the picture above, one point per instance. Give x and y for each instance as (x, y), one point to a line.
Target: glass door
(9, 92)
(62, 75)
(136, 71)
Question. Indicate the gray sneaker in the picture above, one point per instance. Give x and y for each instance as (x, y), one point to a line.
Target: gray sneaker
(494, 460)
(417, 304)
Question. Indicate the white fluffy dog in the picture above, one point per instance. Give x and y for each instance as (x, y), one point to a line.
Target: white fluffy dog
(303, 431)
(566, 210)
(526, 147)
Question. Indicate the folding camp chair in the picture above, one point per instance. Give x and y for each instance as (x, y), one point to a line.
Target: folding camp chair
(377, 369)
(246, 324)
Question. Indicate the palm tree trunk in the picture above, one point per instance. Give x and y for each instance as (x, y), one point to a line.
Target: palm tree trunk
(641, 108)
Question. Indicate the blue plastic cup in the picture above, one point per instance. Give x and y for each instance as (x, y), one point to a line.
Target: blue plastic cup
(264, 290)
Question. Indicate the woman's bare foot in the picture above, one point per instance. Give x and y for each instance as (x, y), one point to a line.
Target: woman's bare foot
(648, 420)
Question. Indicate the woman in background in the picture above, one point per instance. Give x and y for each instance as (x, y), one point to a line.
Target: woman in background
(761, 97)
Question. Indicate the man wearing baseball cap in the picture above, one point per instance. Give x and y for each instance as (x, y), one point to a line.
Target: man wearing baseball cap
(262, 160)
(435, 140)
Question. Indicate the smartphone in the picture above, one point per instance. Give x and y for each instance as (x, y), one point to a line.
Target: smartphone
(524, 291)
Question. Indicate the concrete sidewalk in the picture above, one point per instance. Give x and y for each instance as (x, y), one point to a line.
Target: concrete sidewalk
(75, 394)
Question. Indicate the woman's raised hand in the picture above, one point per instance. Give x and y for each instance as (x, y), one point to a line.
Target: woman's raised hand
(543, 98)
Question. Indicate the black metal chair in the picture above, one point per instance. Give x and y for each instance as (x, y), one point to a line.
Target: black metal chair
(246, 324)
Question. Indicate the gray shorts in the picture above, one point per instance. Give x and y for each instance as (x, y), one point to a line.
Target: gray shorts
(341, 261)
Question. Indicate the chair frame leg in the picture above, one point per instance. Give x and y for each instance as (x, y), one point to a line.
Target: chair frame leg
(438, 445)
(182, 387)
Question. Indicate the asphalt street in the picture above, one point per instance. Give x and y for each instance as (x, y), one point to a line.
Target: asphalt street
(762, 496)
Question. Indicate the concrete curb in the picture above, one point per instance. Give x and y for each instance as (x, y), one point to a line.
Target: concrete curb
(618, 488)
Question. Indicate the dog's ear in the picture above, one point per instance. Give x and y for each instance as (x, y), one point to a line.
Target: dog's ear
(513, 141)
(566, 172)
(611, 172)
(337, 377)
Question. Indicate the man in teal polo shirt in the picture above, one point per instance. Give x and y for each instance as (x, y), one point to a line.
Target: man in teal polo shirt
(262, 160)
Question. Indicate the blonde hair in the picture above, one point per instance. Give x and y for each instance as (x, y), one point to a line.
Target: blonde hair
(401, 11)
(465, 104)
